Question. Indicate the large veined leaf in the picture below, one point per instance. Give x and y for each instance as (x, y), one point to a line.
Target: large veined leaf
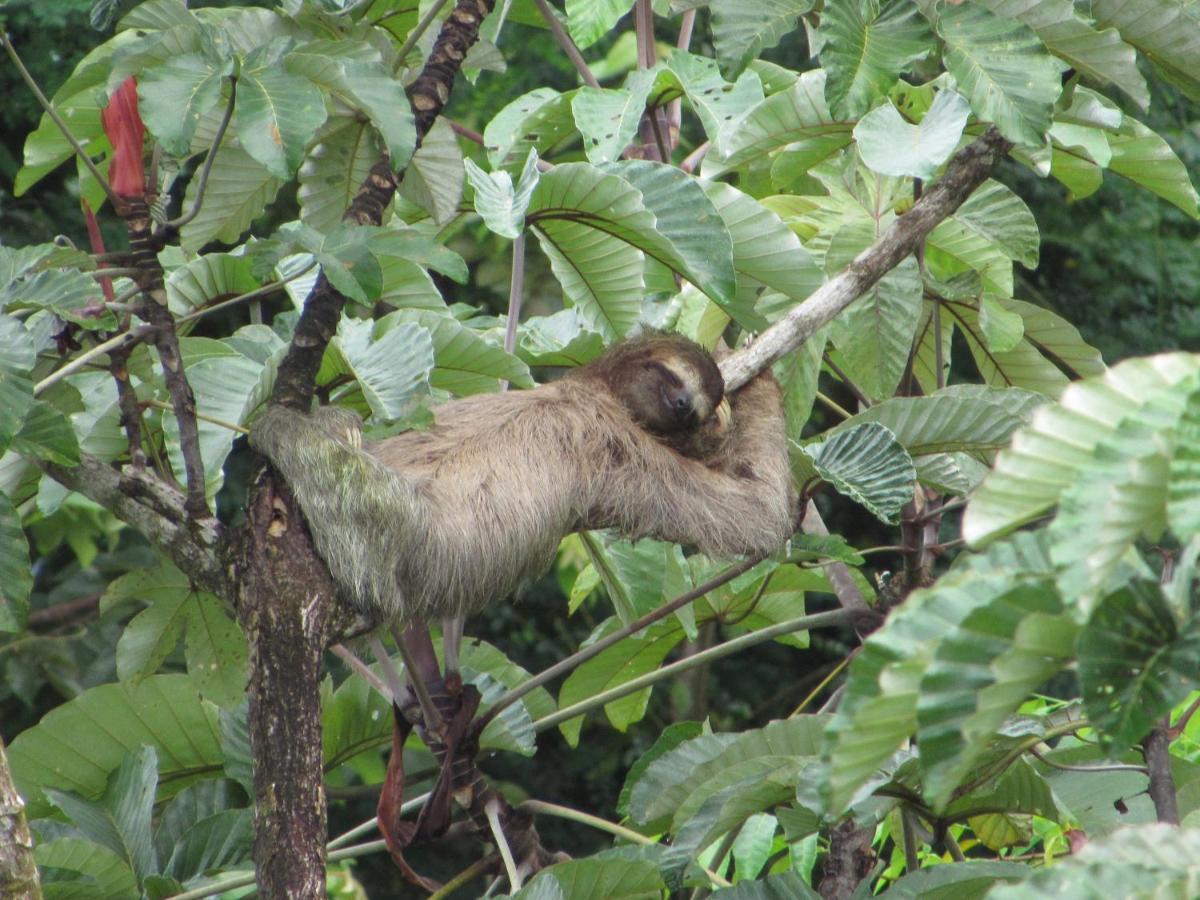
(239, 189)
(961, 418)
(434, 179)
(16, 578)
(499, 203)
(765, 250)
(172, 97)
(276, 115)
(227, 385)
(884, 684)
(17, 356)
(1147, 160)
(743, 30)
(77, 745)
(868, 464)
(719, 104)
(590, 20)
(608, 119)
(100, 871)
(392, 369)
(1183, 490)
(622, 662)
(355, 73)
(591, 225)
(207, 279)
(464, 363)
(867, 47)
(334, 170)
(596, 878)
(798, 118)
(69, 293)
(1165, 32)
(120, 819)
(702, 249)
(1099, 53)
(1135, 663)
(560, 339)
(890, 145)
(969, 880)
(980, 674)
(782, 886)
(1057, 448)
(538, 120)
(874, 334)
(1003, 69)
(1140, 862)
(991, 228)
(677, 783)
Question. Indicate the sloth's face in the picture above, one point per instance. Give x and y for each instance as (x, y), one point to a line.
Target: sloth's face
(673, 397)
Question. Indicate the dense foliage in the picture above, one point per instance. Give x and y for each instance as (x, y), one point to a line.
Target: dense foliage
(1008, 720)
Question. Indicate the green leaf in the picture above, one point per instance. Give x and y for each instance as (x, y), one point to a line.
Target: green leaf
(608, 119)
(538, 120)
(1003, 69)
(622, 662)
(879, 708)
(334, 169)
(103, 873)
(960, 418)
(743, 30)
(560, 339)
(1183, 486)
(16, 577)
(1143, 157)
(208, 279)
(216, 652)
(698, 244)
(781, 886)
(595, 878)
(1054, 451)
(719, 105)
(434, 178)
(765, 250)
(213, 844)
(1098, 53)
(239, 189)
(590, 20)
(120, 820)
(173, 96)
(587, 223)
(16, 387)
(797, 118)
(991, 228)
(868, 46)
(464, 363)
(500, 205)
(891, 146)
(874, 334)
(200, 801)
(1002, 329)
(1164, 32)
(153, 632)
(392, 369)
(69, 293)
(969, 880)
(980, 674)
(1135, 663)
(78, 744)
(277, 113)
(867, 464)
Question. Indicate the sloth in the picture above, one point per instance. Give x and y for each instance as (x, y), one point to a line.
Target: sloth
(439, 523)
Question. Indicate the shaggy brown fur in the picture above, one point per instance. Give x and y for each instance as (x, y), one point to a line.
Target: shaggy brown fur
(441, 522)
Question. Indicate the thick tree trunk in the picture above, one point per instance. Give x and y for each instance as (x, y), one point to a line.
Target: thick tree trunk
(285, 611)
(18, 871)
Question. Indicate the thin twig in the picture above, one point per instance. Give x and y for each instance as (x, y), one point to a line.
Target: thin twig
(1182, 722)
(693, 159)
(568, 45)
(48, 106)
(202, 178)
(249, 295)
(1100, 767)
(220, 423)
(86, 357)
(415, 35)
(582, 656)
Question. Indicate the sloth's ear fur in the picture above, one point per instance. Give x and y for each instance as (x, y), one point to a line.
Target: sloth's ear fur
(443, 521)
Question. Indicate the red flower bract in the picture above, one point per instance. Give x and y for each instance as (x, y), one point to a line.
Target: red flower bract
(124, 128)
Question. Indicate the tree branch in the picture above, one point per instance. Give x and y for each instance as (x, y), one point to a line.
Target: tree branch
(156, 510)
(968, 169)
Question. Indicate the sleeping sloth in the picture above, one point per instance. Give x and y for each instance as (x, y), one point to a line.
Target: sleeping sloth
(441, 522)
